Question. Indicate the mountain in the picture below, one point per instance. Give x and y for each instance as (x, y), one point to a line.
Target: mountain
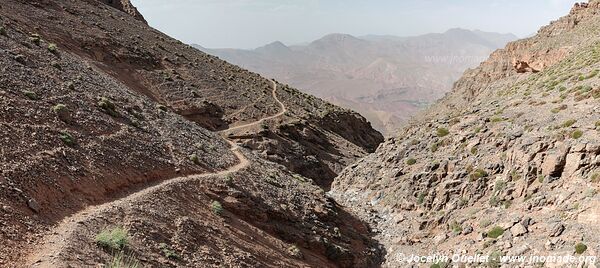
(385, 78)
(121, 145)
(506, 164)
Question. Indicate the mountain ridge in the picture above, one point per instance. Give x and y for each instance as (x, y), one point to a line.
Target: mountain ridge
(347, 70)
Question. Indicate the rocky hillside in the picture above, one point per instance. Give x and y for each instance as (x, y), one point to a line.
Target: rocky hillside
(507, 164)
(118, 138)
(385, 78)
(202, 88)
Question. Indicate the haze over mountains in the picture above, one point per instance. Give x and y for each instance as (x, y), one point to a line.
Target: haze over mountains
(385, 78)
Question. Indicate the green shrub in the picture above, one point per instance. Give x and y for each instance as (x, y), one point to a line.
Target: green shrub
(216, 207)
(59, 108)
(494, 202)
(194, 158)
(473, 150)
(580, 248)
(456, 227)
(478, 174)
(52, 48)
(495, 260)
(168, 252)
(108, 107)
(2, 31)
(495, 232)
(595, 178)
(569, 123)
(114, 239)
(120, 260)
(496, 119)
(442, 132)
(434, 147)
(31, 95)
(66, 138)
(576, 134)
(295, 251)
(411, 161)
(500, 186)
(36, 39)
(421, 198)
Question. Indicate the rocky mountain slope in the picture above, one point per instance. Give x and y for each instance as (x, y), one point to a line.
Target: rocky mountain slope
(507, 164)
(118, 138)
(385, 78)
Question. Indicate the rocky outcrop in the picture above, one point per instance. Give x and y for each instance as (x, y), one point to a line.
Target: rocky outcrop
(127, 7)
(511, 155)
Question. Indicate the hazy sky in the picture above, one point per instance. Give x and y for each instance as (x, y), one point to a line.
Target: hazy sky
(252, 23)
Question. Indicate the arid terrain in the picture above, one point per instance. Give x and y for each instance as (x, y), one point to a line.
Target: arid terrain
(121, 145)
(507, 164)
(385, 78)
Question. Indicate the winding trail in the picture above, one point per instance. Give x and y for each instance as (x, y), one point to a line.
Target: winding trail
(55, 242)
(282, 112)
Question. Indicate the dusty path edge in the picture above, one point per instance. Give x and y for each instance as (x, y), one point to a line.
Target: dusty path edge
(52, 244)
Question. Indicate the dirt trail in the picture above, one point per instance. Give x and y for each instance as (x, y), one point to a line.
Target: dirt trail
(46, 254)
(281, 105)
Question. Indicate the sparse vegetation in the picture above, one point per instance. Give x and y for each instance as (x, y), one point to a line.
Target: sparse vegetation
(434, 147)
(120, 260)
(478, 174)
(591, 192)
(36, 39)
(576, 134)
(194, 158)
(66, 138)
(580, 248)
(411, 161)
(495, 232)
(456, 227)
(559, 108)
(421, 198)
(499, 186)
(496, 119)
(442, 132)
(114, 239)
(168, 252)
(31, 95)
(216, 207)
(2, 31)
(569, 123)
(485, 223)
(108, 107)
(53, 48)
(295, 251)
(59, 108)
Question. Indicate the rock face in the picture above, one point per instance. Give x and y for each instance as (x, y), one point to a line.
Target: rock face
(127, 7)
(512, 152)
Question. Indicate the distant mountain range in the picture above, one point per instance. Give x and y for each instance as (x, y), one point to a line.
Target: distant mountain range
(385, 78)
